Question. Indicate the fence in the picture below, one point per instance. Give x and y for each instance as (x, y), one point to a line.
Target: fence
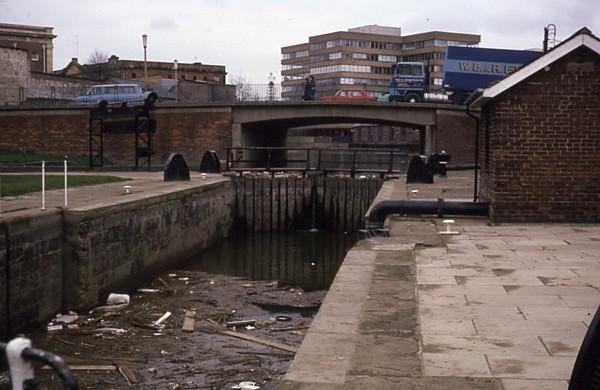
(323, 160)
(40, 94)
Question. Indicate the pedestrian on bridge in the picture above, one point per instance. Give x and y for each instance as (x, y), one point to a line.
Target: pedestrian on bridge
(309, 88)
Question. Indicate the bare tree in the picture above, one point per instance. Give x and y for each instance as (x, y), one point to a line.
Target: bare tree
(243, 89)
(96, 65)
(97, 57)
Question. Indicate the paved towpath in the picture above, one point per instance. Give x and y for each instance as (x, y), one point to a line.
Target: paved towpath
(141, 185)
(494, 307)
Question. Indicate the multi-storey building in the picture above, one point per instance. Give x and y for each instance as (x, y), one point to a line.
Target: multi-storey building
(364, 56)
(35, 40)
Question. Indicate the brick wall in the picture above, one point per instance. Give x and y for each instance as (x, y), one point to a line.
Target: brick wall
(188, 130)
(455, 133)
(544, 143)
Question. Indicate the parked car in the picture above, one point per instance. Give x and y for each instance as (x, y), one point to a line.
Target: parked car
(114, 94)
(350, 94)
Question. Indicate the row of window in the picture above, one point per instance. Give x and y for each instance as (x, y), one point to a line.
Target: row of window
(387, 45)
(423, 57)
(294, 54)
(355, 43)
(341, 68)
(292, 66)
(295, 77)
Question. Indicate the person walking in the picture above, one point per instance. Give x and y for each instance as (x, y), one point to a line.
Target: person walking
(309, 88)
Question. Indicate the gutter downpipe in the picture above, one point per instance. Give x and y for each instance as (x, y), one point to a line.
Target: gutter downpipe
(477, 120)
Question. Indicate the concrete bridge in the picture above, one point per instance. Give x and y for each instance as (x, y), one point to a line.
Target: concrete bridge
(266, 123)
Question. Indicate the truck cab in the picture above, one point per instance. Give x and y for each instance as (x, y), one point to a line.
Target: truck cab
(408, 82)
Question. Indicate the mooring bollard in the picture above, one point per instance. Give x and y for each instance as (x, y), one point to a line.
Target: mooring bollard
(43, 185)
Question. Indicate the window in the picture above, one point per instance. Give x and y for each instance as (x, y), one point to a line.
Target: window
(359, 56)
(335, 56)
(127, 90)
(35, 57)
(133, 75)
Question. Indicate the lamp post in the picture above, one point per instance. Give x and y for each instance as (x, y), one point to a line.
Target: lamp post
(145, 42)
(176, 80)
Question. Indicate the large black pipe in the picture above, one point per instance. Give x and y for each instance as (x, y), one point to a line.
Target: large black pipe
(377, 214)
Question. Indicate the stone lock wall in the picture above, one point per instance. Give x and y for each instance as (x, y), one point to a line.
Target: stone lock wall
(540, 144)
(115, 248)
(31, 270)
(72, 259)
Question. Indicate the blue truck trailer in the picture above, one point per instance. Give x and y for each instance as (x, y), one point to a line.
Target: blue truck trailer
(469, 68)
(465, 70)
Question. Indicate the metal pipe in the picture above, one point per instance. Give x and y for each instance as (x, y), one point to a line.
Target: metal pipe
(476, 172)
(376, 215)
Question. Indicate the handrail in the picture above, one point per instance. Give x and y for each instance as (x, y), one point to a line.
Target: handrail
(320, 160)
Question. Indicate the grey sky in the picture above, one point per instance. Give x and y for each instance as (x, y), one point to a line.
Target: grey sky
(246, 35)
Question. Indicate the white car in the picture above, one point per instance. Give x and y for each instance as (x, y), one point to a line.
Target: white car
(114, 94)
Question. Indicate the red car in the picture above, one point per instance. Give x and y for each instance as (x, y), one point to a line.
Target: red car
(350, 95)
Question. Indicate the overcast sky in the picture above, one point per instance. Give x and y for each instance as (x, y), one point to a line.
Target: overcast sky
(246, 35)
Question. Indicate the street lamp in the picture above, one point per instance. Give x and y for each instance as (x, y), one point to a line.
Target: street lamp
(176, 80)
(145, 42)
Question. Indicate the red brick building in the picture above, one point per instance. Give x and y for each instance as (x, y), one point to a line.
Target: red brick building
(540, 137)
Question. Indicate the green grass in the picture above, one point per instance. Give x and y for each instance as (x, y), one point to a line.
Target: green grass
(20, 157)
(13, 185)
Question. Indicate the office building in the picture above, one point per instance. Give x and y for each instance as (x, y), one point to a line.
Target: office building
(364, 56)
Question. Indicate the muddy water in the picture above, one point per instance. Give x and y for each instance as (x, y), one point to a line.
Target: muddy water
(308, 260)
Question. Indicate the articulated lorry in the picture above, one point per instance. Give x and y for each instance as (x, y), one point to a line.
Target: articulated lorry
(465, 70)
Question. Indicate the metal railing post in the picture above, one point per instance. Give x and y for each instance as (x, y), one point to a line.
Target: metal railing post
(66, 201)
(43, 185)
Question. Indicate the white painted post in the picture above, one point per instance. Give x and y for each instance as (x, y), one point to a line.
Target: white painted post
(66, 203)
(20, 370)
(43, 185)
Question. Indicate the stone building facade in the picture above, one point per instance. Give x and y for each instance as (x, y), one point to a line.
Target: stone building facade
(116, 68)
(540, 137)
(35, 40)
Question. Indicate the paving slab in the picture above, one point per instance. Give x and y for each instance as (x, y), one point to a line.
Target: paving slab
(494, 307)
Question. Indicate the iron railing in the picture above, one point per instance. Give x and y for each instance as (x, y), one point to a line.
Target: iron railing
(40, 94)
(350, 161)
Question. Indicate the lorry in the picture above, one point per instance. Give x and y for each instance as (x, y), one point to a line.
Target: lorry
(465, 70)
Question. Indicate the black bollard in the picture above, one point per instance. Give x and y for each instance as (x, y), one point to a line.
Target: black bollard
(176, 168)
